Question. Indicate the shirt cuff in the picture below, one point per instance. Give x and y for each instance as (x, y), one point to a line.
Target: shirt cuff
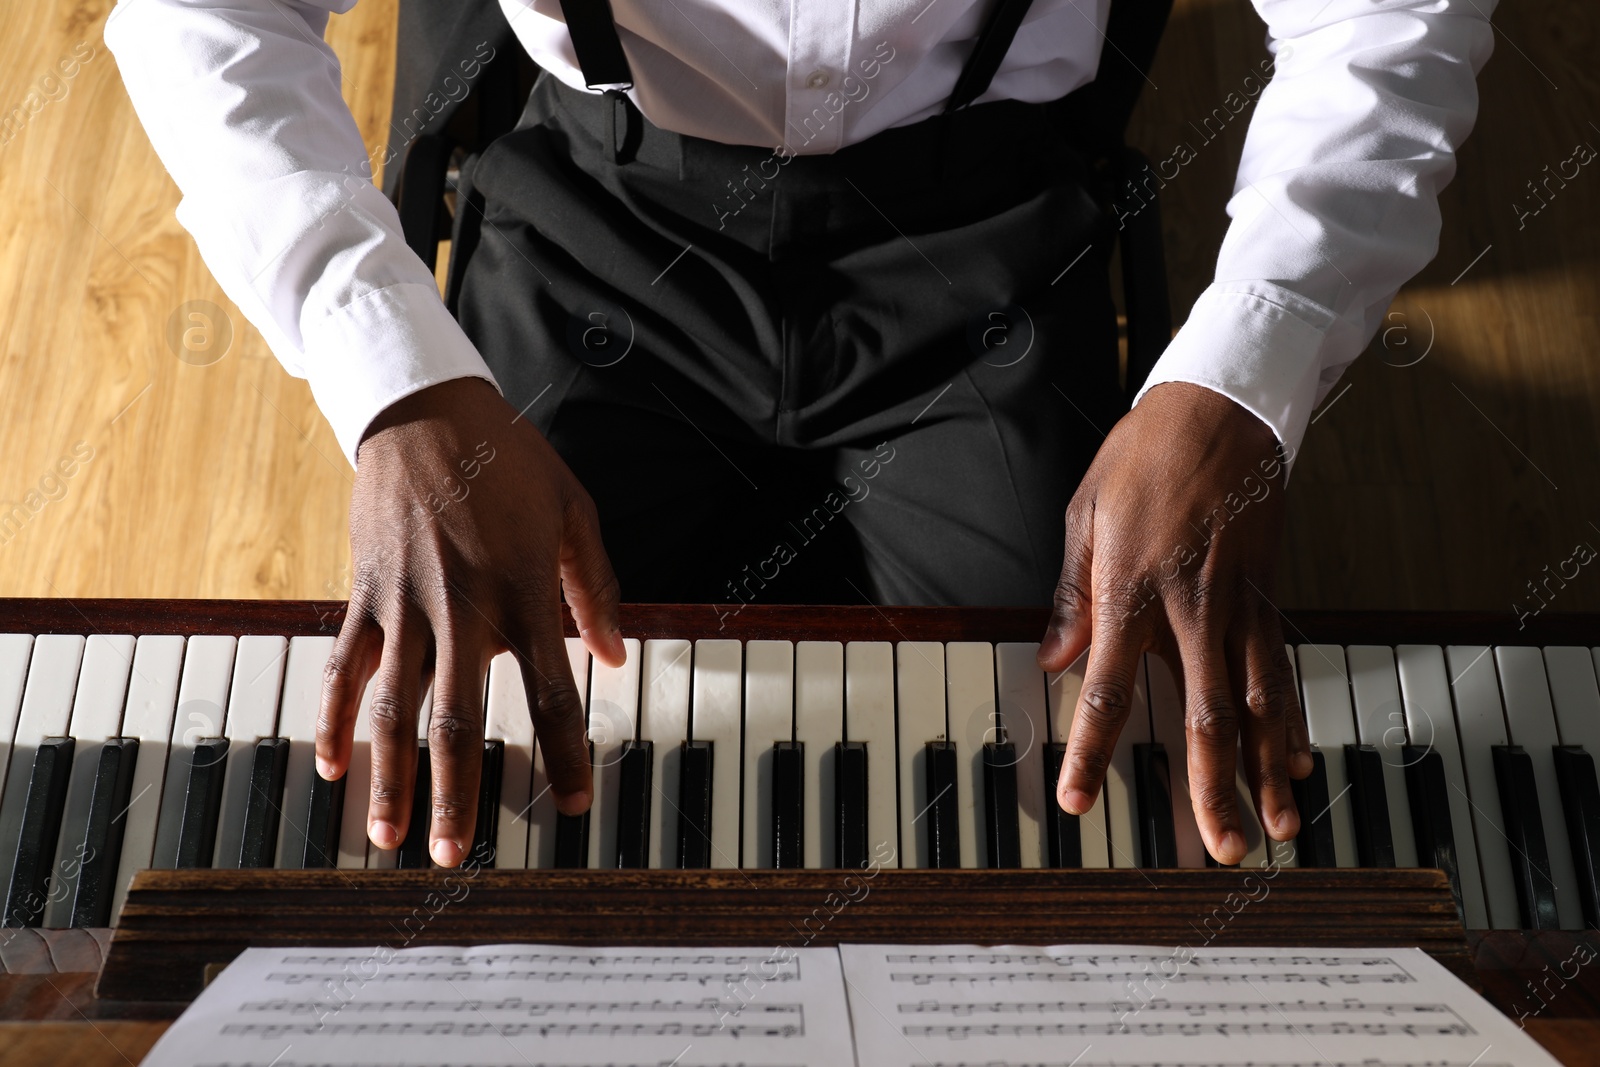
(1258, 344)
(379, 349)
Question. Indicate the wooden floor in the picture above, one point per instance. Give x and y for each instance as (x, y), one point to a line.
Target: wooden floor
(1444, 480)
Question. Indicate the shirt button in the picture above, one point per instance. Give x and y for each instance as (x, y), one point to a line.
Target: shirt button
(818, 79)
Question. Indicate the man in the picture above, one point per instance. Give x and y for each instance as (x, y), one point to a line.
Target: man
(760, 288)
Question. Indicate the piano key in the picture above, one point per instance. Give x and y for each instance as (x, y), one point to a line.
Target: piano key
(1094, 844)
(788, 804)
(46, 711)
(1167, 729)
(1381, 723)
(1284, 853)
(491, 779)
(634, 795)
(1580, 802)
(1480, 726)
(972, 720)
(1001, 837)
(1574, 696)
(540, 808)
(1369, 806)
(1531, 725)
(1122, 819)
(202, 698)
(1430, 722)
(870, 721)
(356, 795)
(1428, 789)
(613, 721)
(818, 728)
(1063, 835)
(851, 841)
(202, 803)
(1020, 684)
(1331, 723)
(96, 718)
(940, 805)
(15, 651)
(258, 846)
(297, 724)
(920, 691)
(147, 717)
(252, 716)
(668, 673)
(1524, 826)
(716, 718)
(1314, 845)
(29, 889)
(693, 831)
(572, 835)
(1153, 790)
(104, 831)
(413, 851)
(768, 719)
(508, 720)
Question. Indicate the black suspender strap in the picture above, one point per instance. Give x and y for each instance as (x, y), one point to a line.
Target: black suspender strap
(595, 41)
(993, 44)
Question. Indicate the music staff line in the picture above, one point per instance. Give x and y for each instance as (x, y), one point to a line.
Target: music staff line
(516, 1005)
(452, 1028)
(582, 977)
(1162, 1006)
(1034, 959)
(1337, 1028)
(462, 959)
(922, 978)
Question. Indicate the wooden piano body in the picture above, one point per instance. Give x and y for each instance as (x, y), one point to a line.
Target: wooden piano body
(179, 926)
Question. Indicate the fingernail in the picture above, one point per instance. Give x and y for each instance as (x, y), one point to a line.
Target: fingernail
(1300, 764)
(446, 853)
(618, 649)
(1076, 801)
(1286, 824)
(382, 834)
(1050, 647)
(573, 803)
(1232, 847)
(325, 769)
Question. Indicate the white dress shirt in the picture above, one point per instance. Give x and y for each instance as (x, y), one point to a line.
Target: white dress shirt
(1334, 208)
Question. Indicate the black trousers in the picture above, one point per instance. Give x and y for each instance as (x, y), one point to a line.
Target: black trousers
(873, 374)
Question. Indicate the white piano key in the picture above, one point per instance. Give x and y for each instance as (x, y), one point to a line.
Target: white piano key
(1284, 851)
(1381, 723)
(972, 718)
(1480, 725)
(920, 685)
(96, 718)
(152, 702)
(668, 671)
(541, 805)
(297, 722)
(252, 715)
(506, 718)
(1024, 711)
(1063, 690)
(716, 717)
(1425, 688)
(15, 651)
(46, 712)
(768, 718)
(1575, 696)
(613, 719)
(819, 725)
(202, 698)
(1531, 722)
(1330, 721)
(1122, 824)
(1167, 729)
(869, 718)
(353, 839)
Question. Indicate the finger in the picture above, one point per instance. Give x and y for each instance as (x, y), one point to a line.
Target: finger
(1072, 614)
(1103, 706)
(1267, 687)
(455, 744)
(344, 682)
(392, 718)
(1296, 734)
(1212, 732)
(589, 583)
(559, 724)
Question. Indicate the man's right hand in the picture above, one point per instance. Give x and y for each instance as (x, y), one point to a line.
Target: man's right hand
(465, 528)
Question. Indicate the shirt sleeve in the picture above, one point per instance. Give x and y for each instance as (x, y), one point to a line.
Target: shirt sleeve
(241, 100)
(1336, 201)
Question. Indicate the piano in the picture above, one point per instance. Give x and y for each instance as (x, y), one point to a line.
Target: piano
(159, 807)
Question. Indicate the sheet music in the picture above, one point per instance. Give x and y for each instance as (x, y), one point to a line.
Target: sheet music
(1097, 1005)
(516, 1006)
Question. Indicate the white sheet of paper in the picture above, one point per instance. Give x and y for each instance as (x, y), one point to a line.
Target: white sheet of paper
(516, 1006)
(1094, 1005)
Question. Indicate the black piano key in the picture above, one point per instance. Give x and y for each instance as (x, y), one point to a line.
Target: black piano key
(1152, 781)
(1065, 846)
(323, 818)
(102, 839)
(788, 803)
(1369, 805)
(850, 804)
(487, 830)
(1004, 837)
(572, 836)
(1314, 844)
(202, 803)
(636, 773)
(41, 826)
(1580, 803)
(694, 805)
(264, 810)
(413, 854)
(1524, 827)
(1428, 790)
(939, 806)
